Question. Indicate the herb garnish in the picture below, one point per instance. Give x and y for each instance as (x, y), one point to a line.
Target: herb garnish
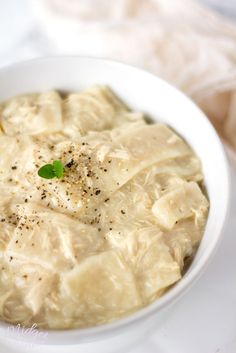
(50, 171)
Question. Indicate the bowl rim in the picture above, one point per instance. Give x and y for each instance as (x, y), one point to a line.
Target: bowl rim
(186, 282)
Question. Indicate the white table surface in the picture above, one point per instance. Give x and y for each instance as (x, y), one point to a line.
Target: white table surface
(205, 319)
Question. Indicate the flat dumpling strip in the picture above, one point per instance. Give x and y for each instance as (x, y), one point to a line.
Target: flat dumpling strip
(182, 202)
(7, 221)
(34, 299)
(33, 283)
(14, 311)
(32, 114)
(6, 230)
(134, 151)
(12, 306)
(145, 249)
(128, 206)
(90, 179)
(4, 296)
(16, 160)
(94, 109)
(138, 149)
(156, 270)
(132, 203)
(50, 239)
(158, 139)
(187, 167)
(99, 289)
(133, 242)
(184, 238)
(134, 200)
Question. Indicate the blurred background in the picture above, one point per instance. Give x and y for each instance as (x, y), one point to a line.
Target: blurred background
(32, 28)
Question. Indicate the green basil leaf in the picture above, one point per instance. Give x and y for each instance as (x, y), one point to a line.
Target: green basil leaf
(47, 171)
(58, 169)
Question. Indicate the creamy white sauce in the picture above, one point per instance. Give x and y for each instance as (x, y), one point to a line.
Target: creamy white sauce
(113, 233)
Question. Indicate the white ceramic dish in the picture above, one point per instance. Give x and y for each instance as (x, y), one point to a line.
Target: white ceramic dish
(144, 92)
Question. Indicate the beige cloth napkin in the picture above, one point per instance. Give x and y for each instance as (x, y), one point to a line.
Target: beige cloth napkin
(179, 40)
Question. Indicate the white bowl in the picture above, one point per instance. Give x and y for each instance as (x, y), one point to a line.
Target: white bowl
(144, 92)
